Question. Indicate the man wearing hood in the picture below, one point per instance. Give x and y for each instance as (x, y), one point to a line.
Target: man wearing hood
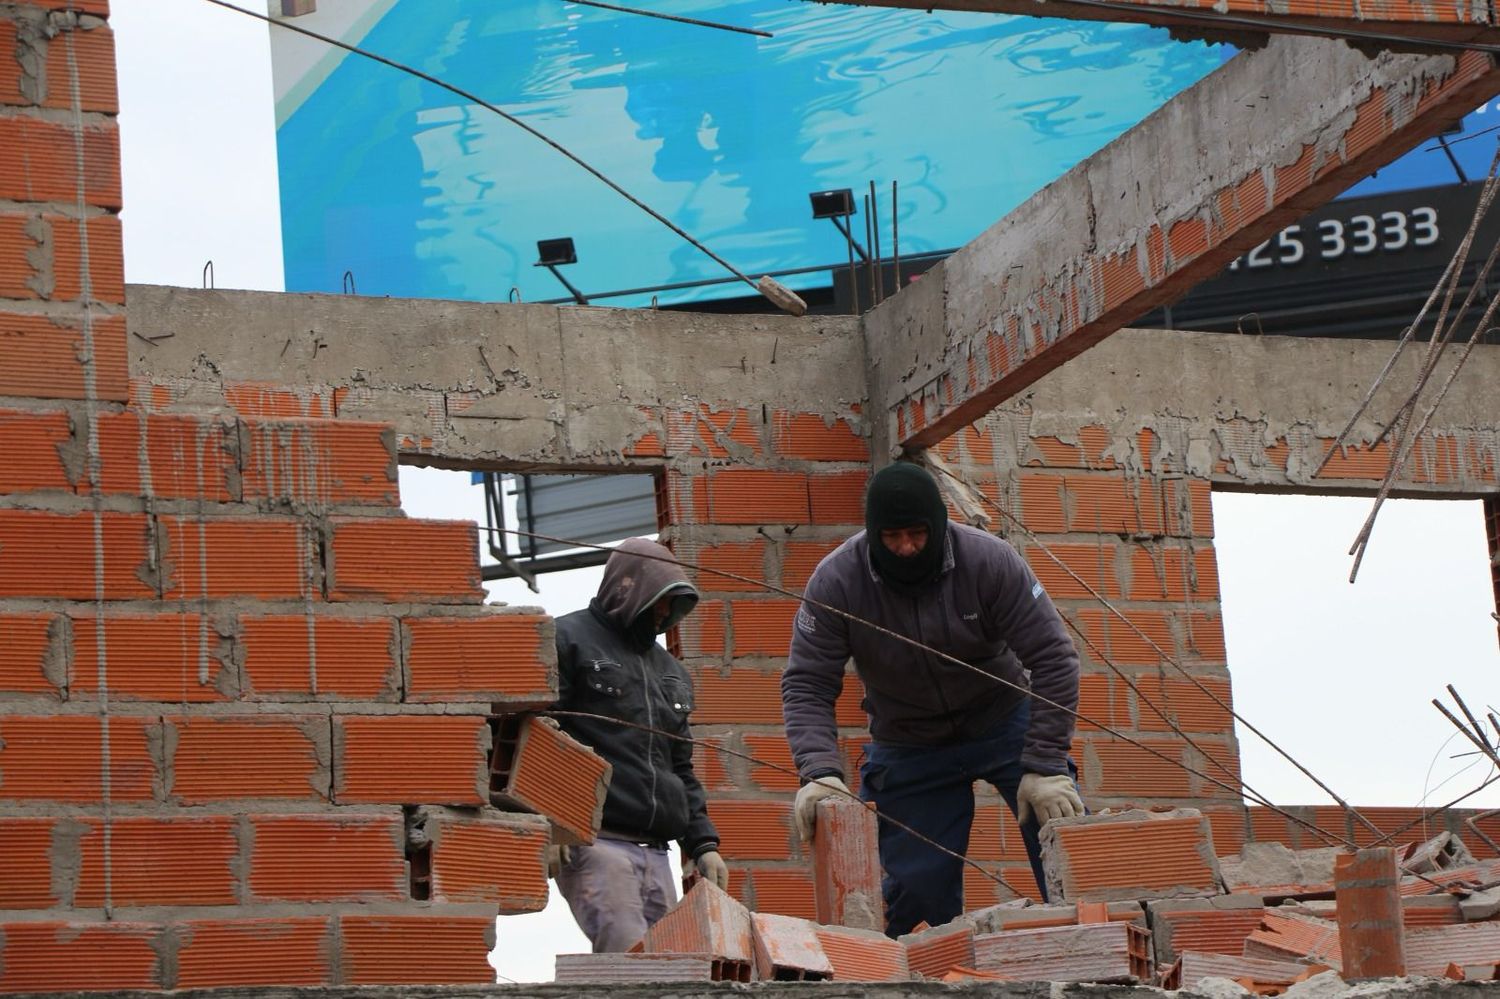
(936, 726)
(609, 663)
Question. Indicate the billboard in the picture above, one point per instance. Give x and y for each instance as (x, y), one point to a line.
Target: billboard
(415, 192)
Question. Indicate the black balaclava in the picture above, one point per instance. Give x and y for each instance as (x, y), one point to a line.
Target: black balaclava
(904, 495)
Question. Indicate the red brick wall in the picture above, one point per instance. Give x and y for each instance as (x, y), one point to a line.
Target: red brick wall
(231, 671)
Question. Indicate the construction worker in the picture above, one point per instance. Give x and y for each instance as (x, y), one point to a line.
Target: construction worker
(936, 726)
(609, 663)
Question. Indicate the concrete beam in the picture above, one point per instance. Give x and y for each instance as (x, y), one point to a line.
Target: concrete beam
(514, 387)
(1216, 170)
(1463, 22)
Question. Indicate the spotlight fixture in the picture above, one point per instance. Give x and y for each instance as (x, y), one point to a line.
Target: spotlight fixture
(832, 204)
(555, 253)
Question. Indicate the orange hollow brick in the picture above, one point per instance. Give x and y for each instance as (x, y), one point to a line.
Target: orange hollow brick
(498, 857)
(846, 865)
(537, 767)
(298, 656)
(60, 957)
(324, 858)
(42, 160)
(411, 759)
(503, 658)
(53, 555)
(81, 69)
(223, 953)
(427, 949)
(34, 443)
(1130, 855)
(26, 878)
(158, 861)
(320, 461)
(265, 557)
(106, 259)
(402, 559)
(165, 455)
(1372, 939)
(60, 758)
(287, 758)
(31, 656)
(40, 357)
(757, 496)
(151, 657)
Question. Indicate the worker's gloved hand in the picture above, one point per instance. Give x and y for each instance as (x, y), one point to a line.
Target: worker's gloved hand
(557, 856)
(805, 809)
(549, 721)
(712, 867)
(1047, 797)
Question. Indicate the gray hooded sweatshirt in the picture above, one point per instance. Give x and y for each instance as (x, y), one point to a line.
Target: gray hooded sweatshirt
(986, 609)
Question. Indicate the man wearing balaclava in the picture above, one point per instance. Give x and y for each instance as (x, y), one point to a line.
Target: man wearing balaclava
(609, 663)
(936, 726)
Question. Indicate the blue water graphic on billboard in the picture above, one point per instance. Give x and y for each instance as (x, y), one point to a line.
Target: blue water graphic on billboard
(418, 193)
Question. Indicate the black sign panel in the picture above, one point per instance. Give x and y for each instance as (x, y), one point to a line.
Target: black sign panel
(1359, 267)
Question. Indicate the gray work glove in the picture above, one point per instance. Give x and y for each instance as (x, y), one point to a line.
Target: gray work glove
(805, 809)
(557, 856)
(1047, 797)
(712, 867)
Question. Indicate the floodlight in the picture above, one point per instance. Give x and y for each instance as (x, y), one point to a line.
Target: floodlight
(555, 252)
(832, 204)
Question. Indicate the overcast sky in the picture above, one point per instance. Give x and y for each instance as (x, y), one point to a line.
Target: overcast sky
(1341, 676)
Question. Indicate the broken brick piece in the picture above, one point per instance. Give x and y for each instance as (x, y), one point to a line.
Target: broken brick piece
(938, 950)
(608, 969)
(707, 921)
(1206, 925)
(846, 865)
(1194, 966)
(1092, 952)
(1290, 937)
(1372, 939)
(1130, 855)
(863, 955)
(787, 949)
(536, 767)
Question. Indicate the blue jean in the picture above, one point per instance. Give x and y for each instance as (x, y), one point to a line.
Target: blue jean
(616, 890)
(930, 789)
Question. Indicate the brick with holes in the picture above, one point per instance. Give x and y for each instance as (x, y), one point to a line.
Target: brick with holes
(536, 767)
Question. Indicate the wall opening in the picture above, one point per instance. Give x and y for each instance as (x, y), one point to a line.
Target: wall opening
(526, 946)
(1342, 676)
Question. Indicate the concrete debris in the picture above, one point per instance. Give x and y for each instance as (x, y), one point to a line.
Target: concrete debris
(1480, 905)
(1440, 853)
(1274, 871)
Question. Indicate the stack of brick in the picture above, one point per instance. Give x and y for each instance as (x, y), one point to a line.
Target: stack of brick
(244, 701)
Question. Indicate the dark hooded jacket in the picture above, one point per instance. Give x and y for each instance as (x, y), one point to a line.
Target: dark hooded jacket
(609, 663)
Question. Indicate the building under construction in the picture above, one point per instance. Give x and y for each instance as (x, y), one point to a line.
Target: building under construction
(259, 728)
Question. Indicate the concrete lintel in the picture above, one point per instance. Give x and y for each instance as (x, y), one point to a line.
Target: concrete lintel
(1220, 167)
(1467, 21)
(499, 385)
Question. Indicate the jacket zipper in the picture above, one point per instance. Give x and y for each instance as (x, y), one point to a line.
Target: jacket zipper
(650, 738)
(932, 676)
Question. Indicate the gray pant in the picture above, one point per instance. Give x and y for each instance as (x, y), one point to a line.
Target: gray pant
(616, 890)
